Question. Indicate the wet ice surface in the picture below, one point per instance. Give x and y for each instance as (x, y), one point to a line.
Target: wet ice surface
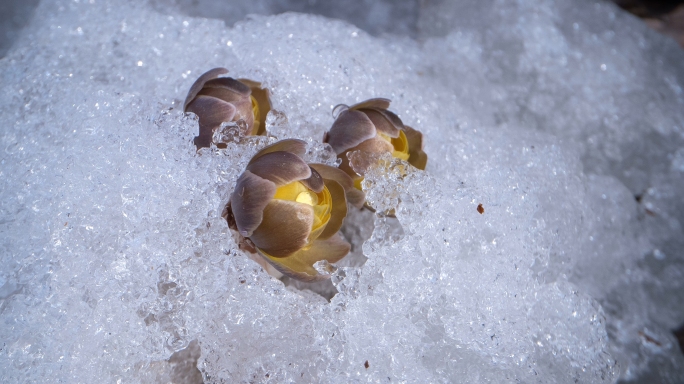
(565, 123)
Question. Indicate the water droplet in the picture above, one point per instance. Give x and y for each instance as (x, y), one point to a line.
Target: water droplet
(339, 108)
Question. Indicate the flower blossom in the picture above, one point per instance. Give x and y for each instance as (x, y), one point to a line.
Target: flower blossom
(370, 129)
(290, 212)
(216, 100)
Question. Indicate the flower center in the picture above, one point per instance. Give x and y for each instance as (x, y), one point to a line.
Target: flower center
(321, 203)
(307, 197)
(400, 144)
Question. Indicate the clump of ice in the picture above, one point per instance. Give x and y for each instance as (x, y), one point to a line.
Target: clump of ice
(564, 123)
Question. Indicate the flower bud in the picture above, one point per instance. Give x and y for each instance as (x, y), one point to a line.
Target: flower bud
(290, 212)
(216, 100)
(370, 129)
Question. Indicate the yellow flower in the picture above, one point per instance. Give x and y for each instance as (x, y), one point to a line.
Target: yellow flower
(216, 100)
(369, 129)
(290, 212)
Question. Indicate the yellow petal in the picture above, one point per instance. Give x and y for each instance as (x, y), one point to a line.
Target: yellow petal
(290, 191)
(357, 183)
(255, 111)
(261, 102)
(338, 209)
(400, 145)
(307, 197)
(321, 214)
(299, 265)
(415, 139)
(320, 202)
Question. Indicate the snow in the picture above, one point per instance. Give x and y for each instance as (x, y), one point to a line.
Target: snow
(565, 122)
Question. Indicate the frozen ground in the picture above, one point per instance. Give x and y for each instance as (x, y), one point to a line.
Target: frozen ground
(565, 121)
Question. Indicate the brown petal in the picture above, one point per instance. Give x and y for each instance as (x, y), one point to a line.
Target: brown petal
(300, 264)
(375, 145)
(349, 130)
(248, 201)
(234, 92)
(263, 99)
(366, 153)
(339, 209)
(382, 123)
(315, 182)
(414, 137)
(285, 228)
(280, 167)
(354, 196)
(199, 83)
(417, 157)
(203, 141)
(379, 103)
(419, 160)
(392, 118)
(295, 146)
(384, 120)
(211, 112)
(231, 88)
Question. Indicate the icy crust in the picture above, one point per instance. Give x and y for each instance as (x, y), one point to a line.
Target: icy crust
(593, 76)
(115, 258)
(489, 287)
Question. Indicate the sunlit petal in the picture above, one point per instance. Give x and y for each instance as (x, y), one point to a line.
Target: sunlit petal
(280, 167)
(338, 210)
(199, 83)
(299, 265)
(418, 158)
